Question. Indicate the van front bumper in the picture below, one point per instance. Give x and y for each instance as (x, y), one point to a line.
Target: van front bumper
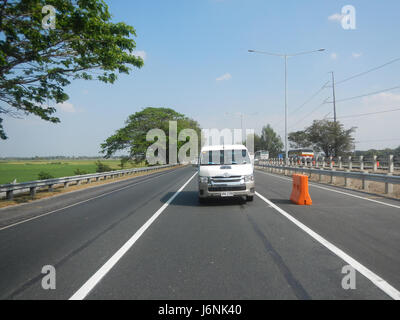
(217, 191)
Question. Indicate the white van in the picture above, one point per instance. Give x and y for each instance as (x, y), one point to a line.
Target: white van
(225, 171)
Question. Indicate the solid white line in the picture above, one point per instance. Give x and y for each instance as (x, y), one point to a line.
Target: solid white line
(337, 191)
(95, 279)
(80, 202)
(375, 279)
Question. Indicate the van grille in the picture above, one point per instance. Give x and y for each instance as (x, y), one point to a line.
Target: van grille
(227, 188)
(220, 179)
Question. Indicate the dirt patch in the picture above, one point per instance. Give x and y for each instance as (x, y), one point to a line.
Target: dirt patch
(59, 189)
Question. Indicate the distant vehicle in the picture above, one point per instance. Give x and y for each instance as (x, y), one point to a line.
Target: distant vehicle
(194, 162)
(261, 155)
(225, 171)
(303, 155)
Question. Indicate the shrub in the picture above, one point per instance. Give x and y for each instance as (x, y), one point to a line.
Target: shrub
(101, 167)
(44, 175)
(79, 172)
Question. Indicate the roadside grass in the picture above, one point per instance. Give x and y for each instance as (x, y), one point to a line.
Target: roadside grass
(24, 171)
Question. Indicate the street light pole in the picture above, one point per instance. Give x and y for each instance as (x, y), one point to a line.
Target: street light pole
(286, 56)
(286, 115)
(334, 96)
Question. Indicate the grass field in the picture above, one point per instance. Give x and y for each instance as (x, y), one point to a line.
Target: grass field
(29, 170)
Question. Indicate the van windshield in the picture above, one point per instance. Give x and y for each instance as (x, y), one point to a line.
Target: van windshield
(227, 157)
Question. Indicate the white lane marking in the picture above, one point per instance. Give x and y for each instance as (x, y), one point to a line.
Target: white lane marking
(337, 191)
(375, 279)
(96, 278)
(80, 202)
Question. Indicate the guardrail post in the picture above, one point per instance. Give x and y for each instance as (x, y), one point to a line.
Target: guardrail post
(389, 186)
(340, 163)
(375, 160)
(361, 163)
(32, 191)
(391, 164)
(78, 182)
(333, 178)
(88, 180)
(346, 181)
(320, 176)
(365, 184)
(9, 195)
(51, 189)
(66, 184)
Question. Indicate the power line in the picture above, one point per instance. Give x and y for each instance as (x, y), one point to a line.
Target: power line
(367, 114)
(306, 102)
(368, 71)
(366, 95)
(302, 119)
(381, 140)
(311, 98)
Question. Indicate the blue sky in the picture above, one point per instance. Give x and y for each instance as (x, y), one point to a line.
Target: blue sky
(196, 61)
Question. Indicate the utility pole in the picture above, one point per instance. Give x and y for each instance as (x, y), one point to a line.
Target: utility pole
(286, 116)
(334, 97)
(334, 114)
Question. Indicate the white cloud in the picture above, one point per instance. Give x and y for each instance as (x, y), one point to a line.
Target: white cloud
(356, 55)
(337, 17)
(387, 99)
(226, 76)
(140, 53)
(66, 107)
(334, 56)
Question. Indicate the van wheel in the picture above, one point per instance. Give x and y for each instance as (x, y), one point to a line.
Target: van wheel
(249, 198)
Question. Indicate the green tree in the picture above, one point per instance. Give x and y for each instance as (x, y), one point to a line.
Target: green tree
(326, 136)
(101, 167)
(299, 139)
(132, 136)
(270, 141)
(36, 63)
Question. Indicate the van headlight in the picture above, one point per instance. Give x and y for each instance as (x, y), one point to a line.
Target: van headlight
(249, 178)
(203, 179)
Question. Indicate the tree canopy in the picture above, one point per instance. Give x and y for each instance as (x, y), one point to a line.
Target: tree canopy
(269, 141)
(36, 63)
(132, 137)
(326, 136)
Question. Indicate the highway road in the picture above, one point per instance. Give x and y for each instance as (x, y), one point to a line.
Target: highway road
(149, 238)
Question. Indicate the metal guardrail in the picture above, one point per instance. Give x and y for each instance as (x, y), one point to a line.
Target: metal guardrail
(9, 189)
(365, 177)
(389, 164)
